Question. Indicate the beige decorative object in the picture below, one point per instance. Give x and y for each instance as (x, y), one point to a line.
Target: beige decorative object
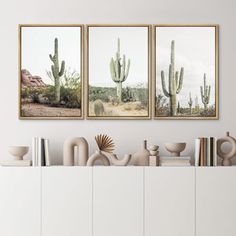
(18, 151)
(118, 162)
(69, 151)
(153, 161)
(226, 156)
(154, 155)
(153, 149)
(98, 156)
(105, 143)
(175, 148)
(106, 147)
(141, 158)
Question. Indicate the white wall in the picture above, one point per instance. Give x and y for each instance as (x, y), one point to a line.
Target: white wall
(126, 134)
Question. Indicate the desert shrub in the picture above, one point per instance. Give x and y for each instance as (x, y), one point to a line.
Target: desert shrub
(25, 92)
(101, 93)
(34, 94)
(127, 95)
(141, 93)
(209, 112)
(70, 90)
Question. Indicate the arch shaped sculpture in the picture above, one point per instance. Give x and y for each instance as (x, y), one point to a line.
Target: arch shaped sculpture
(68, 151)
(118, 162)
(98, 156)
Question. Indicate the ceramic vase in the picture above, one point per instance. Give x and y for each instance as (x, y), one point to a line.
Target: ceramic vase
(141, 158)
(69, 151)
(98, 156)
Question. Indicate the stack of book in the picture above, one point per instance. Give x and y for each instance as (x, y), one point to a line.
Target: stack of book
(40, 152)
(175, 161)
(16, 163)
(206, 151)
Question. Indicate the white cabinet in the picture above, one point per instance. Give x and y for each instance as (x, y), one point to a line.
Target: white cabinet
(67, 201)
(216, 201)
(169, 201)
(118, 201)
(20, 201)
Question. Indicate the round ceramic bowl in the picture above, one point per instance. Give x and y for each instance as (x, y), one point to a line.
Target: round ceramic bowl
(175, 148)
(18, 151)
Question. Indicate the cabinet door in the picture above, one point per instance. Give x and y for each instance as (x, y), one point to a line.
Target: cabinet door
(169, 201)
(118, 201)
(216, 201)
(67, 201)
(20, 201)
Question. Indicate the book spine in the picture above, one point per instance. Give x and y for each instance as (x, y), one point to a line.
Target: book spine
(33, 152)
(47, 156)
(39, 152)
(36, 151)
(214, 152)
(42, 152)
(211, 151)
(202, 152)
(208, 151)
(197, 152)
(205, 151)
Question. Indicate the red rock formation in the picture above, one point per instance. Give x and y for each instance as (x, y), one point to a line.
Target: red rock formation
(27, 80)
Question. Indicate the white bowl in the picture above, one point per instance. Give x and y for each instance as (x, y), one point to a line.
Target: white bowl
(18, 151)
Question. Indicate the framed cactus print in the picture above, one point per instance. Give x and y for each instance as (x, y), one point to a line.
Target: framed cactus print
(118, 71)
(51, 71)
(186, 71)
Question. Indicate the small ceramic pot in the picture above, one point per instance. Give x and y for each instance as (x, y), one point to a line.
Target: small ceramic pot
(175, 148)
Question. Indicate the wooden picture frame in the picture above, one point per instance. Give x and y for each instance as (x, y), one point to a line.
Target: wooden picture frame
(112, 102)
(209, 110)
(40, 100)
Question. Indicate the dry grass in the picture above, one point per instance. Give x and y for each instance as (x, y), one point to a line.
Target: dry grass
(123, 109)
(40, 110)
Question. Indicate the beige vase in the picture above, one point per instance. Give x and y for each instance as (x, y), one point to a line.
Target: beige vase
(141, 158)
(98, 156)
(69, 151)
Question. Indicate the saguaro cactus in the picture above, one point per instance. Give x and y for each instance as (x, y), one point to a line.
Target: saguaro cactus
(57, 72)
(205, 93)
(119, 71)
(175, 81)
(190, 103)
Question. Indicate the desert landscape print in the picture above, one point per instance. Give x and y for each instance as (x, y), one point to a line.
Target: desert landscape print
(50, 72)
(186, 72)
(118, 72)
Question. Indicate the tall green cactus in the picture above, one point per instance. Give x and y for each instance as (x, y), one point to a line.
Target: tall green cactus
(57, 72)
(119, 71)
(205, 93)
(175, 81)
(190, 103)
